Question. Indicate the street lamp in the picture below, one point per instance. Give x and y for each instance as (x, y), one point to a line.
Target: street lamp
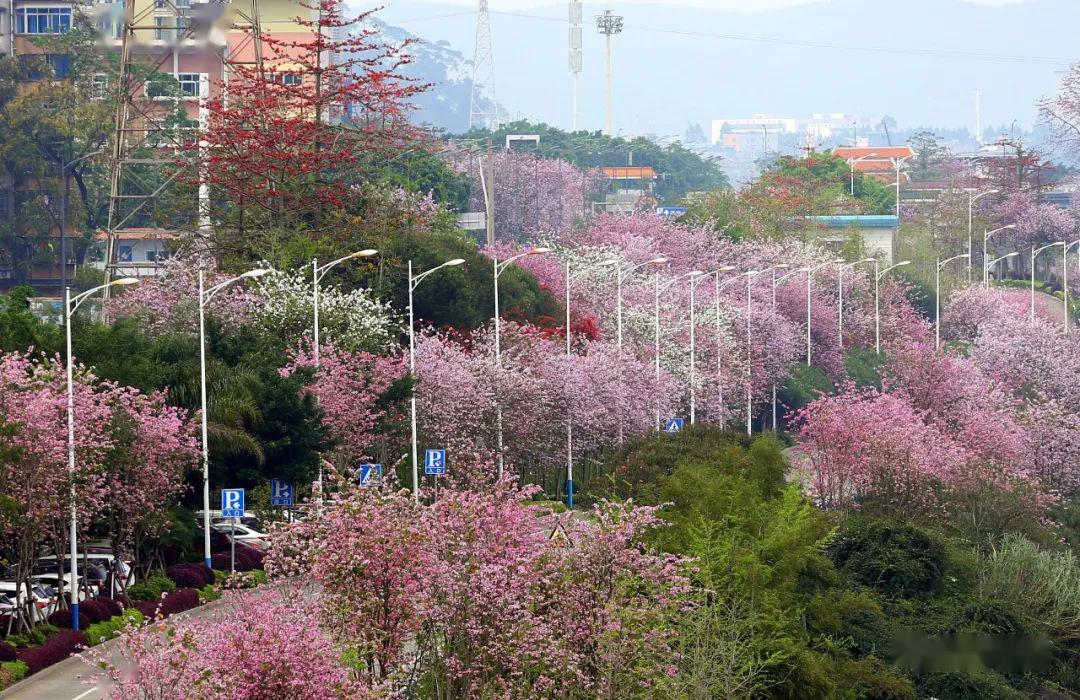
(750, 275)
(809, 281)
(972, 198)
(897, 162)
(620, 277)
(1034, 253)
(775, 282)
(877, 298)
(569, 414)
(70, 306)
(414, 281)
(317, 273)
(205, 295)
(986, 238)
(1065, 278)
(499, 268)
(719, 343)
(937, 297)
(840, 287)
(852, 162)
(995, 261)
(658, 288)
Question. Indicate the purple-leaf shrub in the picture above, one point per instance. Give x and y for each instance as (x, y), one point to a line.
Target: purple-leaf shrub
(55, 649)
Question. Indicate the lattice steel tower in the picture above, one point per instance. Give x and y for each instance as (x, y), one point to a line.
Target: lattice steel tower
(483, 73)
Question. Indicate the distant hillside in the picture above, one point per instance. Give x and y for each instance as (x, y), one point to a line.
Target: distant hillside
(446, 105)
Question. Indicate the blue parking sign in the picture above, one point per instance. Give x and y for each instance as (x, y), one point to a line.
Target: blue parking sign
(435, 462)
(281, 493)
(232, 503)
(370, 474)
(673, 425)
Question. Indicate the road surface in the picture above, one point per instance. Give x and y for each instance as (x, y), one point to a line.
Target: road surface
(66, 680)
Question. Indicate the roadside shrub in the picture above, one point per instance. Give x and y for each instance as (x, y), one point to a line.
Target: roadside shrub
(254, 556)
(19, 641)
(94, 611)
(852, 618)
(147, 608)
(62, 619)
(896, 559)
(55, 649)
(966, 686)
(208, 594)
(113, 606)
(151, 588)
(179, 601)
(7, 652)
(219, 562)
(11, 672)
(133, 616)
(190, 575)
(99, 632)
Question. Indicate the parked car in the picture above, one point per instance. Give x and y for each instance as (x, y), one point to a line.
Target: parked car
(101, 570)
(14, 594)
(53, 581)
(243, 534)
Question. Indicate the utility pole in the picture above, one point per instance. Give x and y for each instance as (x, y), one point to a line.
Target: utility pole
(489, 194)
(483, 73)
(608, 24)
(575, 58)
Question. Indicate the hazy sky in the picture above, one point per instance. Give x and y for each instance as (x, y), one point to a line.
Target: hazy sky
(747, 6)
(691, 61)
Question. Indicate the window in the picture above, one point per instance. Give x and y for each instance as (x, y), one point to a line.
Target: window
(290, 79)
(60, 64)
(151, 256)
(190, 84)
(42, 20)
(163, 27)
(99, 86)
(125, 253)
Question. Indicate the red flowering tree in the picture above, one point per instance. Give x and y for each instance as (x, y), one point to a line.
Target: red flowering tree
(285, 139)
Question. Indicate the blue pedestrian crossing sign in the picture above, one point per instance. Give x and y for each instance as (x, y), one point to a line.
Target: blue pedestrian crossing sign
(232, 503)
(281, 493)
(673, 425)
(370, 474)
(435, 462)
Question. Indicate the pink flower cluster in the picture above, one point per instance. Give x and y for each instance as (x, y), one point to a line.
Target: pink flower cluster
(475, 595)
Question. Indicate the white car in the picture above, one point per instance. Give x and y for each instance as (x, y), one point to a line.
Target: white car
(53, 581)
(104, 560)
(12, 594)
(243, 534)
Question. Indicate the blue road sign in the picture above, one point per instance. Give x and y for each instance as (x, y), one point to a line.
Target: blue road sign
(673, 425)
(370, 474)
(281, 493)
(435, 462)
(232, 503)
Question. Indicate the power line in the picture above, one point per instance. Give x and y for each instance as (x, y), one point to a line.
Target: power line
(865, 48)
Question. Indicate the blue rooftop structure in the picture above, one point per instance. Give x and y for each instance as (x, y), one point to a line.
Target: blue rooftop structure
(856, 221)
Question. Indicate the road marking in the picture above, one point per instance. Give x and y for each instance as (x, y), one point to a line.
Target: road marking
(80, 696)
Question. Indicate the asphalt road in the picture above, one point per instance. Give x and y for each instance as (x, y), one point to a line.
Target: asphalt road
(67, 680)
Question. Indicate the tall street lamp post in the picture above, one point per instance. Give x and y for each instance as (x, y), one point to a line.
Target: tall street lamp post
(986, 239)
(620, 276)
(877, 298)
(777, 281)
(897, 162)
(1034, 254)
(972, 198)
(750, 275)
(852, 162)
(414, 281)
(809, 283)
(840, 295)
(695, 277)
(719, 341)
(1065, 278)
(317, 273)
(995, 261)
(71, 304)
(205, 295)
(658, 289)
(498, 268)
(570, 278)
(937, 297)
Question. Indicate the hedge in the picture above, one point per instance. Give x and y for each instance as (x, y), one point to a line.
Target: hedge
(62, 619)
(12, 672)
(113, 606)
(190, 575)
(94, 611)
(179, 601)
(55, 649)
(103, 631)
(7, 652)
(151, 588)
